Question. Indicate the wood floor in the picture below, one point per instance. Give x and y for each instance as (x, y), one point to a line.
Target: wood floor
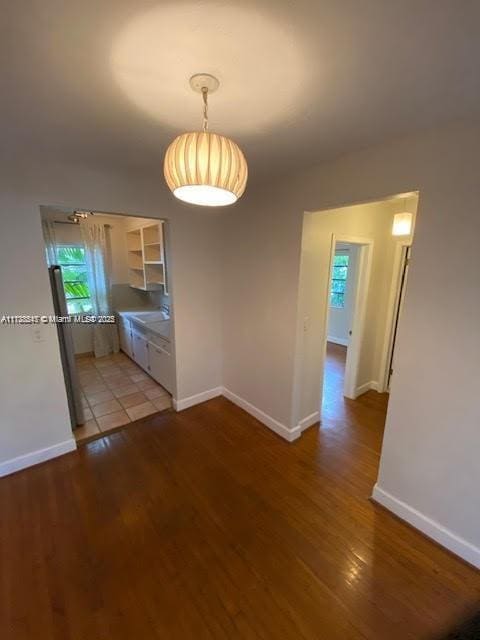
(206, 525)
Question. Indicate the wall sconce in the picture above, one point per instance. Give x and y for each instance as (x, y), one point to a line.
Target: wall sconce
(402, 224)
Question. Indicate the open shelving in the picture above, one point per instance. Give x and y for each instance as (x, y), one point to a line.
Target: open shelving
(146, 257)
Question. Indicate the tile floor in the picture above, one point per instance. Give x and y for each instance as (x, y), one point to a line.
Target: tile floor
(116, 391)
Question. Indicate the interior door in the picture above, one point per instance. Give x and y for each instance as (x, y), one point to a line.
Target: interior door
(398, 309)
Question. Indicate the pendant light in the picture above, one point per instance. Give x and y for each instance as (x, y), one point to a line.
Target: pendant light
(205, 168)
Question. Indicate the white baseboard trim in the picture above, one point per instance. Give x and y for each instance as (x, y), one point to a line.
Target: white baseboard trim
(185, 403)
(429, 527)
(35, 457)
(363, 388)
(335, 340)
(309, 420)
(279, 428)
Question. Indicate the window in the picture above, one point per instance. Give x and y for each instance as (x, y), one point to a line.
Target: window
(71, 258)
(339, 280)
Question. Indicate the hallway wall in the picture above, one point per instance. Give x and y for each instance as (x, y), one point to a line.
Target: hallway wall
(429, 459)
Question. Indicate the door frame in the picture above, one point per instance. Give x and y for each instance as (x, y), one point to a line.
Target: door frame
(361, 289)
(393, 302)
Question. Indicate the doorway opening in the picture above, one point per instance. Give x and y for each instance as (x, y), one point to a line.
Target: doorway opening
(353, 282)
(366, 289)
(110, 289)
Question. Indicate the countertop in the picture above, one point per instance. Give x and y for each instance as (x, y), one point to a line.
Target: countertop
(160, 327)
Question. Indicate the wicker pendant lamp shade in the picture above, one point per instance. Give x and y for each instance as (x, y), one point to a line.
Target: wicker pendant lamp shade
(205, 168)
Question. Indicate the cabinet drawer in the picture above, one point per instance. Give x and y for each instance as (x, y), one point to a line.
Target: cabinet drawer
(161, 343)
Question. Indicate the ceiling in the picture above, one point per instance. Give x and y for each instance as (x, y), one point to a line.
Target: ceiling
(105, 82)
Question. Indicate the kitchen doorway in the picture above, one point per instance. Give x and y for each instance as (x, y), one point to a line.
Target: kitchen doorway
(109, 276)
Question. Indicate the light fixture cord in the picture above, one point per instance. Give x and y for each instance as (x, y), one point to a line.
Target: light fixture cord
(205, 108)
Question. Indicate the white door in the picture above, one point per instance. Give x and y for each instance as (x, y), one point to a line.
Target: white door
(398, 310)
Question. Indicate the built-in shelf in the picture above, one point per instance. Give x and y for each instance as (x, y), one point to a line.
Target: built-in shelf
(146, 257)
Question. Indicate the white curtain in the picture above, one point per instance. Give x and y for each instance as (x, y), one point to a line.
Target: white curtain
(48, 227)
(97, 255)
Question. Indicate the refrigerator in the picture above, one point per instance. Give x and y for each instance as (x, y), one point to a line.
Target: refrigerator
(67, 352)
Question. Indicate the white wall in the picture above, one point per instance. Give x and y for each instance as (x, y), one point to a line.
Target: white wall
(340, 318)
(33, 403)
(432, 438)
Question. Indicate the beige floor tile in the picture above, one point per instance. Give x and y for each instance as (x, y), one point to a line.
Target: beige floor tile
(117, 382)
(89, 389)
(84, 369)
(131, 369)
(141, 410)
(97, 398)
(105, 408)
(85, 404)
(87, 413)
(155, 392)
(102, 363)
(113, 420)
(111, 372)
(133, 399)
(146, 384)
(162, 403)
(137, 377)
(89, 429)
(125, 391)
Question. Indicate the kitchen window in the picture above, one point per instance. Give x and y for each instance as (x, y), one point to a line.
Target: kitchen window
(71, 258)
(339, 280)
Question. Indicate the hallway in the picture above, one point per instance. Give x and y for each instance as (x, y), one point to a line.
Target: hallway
(341, 413)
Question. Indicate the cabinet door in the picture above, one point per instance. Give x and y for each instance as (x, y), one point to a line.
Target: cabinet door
(161, 366)
(140, 350)
(125, 336)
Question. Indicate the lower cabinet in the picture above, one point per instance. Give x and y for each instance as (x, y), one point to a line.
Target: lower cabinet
(140, 349)
(160, 362)
(125, 336)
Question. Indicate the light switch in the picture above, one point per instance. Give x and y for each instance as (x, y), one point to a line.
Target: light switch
(38, 334)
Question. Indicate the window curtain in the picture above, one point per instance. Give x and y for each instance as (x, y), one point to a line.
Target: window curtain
(48, 228)
(97, 255)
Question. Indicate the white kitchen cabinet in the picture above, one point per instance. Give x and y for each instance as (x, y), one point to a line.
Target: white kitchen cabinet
(140, 349)
(146, 257)
(160, 361)
(125, 335)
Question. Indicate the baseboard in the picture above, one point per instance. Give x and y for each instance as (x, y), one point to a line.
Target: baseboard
(185, 403)
(35, 457)
(430, 528)
(342, 341)
(264, 418)
(309, 420)
(363, 388)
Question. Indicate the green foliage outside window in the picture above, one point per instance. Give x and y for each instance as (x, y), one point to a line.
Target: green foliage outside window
(71, 258)
(339, 281)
